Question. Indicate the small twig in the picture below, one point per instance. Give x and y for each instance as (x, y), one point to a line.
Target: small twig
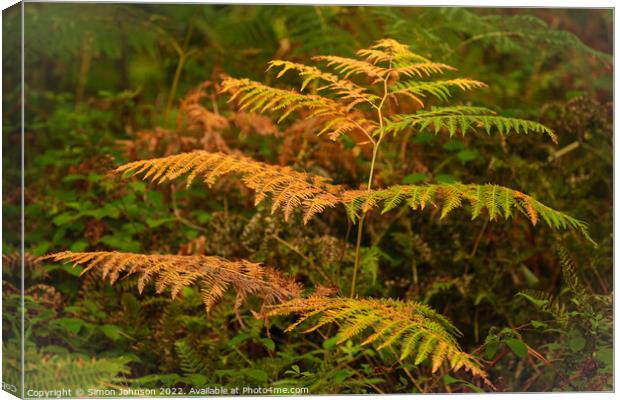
(563, 151)
(478, 238)
(411, 378)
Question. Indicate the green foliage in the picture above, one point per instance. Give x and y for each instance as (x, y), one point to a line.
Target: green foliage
(46, 372)
(582, 325)
(463, 28)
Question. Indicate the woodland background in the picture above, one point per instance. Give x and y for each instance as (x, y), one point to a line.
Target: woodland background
(104, 84)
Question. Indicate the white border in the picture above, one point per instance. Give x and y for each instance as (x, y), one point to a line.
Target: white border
(479, 3)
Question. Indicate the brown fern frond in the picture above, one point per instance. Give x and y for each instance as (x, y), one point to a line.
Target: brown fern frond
(289, 189)
(255, 123)
(415, 328)
(212, 275)
(13, 262)
(302, 146)
(202, 120)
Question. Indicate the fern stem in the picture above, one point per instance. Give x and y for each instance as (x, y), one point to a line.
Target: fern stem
(375, 150)
(360, 228)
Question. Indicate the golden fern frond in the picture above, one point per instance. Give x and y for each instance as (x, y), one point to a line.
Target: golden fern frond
(345, 89)
(439, 89)
(415, 328)
(391, 51)
(464, 119)
(350, 66)
(266, 98)
(212, 275)
(497, 200)
(401, 59)
(258, 97)
(289, 189)
(421, 70)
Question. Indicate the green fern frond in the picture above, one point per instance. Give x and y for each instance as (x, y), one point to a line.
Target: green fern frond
(47, 371)
(439, 89)
(463, 119)
(570, 278)
(497, 200)
(190, 362)
(544, 301)
(419, 331)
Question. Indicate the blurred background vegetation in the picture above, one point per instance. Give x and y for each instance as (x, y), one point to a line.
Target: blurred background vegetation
(103, 85)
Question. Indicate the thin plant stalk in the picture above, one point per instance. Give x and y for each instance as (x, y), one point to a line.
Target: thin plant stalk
(375, 150)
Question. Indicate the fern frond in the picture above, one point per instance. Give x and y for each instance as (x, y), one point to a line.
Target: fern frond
(289, 189)
(190, 361)
(570, 278)
(424, 69)
(545, 302)
(345, 89)
(258, 97)
(12, 263)
(463, 119)
(350, 66)
(497, 200)
(439, 89)
(421, 332)
(212, 275)
(74, 372)
(391, 51)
